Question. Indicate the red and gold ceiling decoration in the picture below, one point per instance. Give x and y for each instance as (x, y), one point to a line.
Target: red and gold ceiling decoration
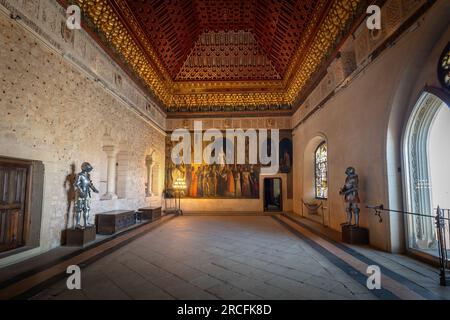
(203, 56)
(227, 55)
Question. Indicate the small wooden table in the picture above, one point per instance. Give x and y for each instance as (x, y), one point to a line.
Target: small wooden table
(150, 213)
(113, 221)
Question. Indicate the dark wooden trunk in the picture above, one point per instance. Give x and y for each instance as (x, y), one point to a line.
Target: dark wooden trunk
(113, 221)
(150, 213)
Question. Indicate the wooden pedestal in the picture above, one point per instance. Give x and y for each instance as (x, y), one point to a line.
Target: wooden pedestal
(355, 235)
(150, 213)
(80, 237)
(113, 221)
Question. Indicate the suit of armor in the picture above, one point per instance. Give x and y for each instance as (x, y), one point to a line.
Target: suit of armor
(351, 197)
(83, 186)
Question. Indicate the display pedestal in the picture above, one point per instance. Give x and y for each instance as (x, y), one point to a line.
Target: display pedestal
(80, 237)
(355, 235)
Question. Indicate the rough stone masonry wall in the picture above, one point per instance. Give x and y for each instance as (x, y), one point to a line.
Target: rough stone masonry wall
(50, 111)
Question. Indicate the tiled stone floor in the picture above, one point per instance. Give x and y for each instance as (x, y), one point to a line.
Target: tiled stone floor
(222, 257)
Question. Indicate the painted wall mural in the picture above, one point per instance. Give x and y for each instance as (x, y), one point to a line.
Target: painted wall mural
(222, 180)
(214, 181)
(285, 155)
(217, 181)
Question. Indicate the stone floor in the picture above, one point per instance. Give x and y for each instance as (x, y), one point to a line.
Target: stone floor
(235, 257)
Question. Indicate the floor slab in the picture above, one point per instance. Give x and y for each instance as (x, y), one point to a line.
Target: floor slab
(231, 257)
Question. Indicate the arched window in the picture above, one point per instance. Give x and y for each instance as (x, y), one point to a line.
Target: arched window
(321, 171)
(425, 157)
(444, 68)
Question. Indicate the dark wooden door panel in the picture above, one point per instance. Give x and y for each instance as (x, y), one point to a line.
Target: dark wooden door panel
(13, 189)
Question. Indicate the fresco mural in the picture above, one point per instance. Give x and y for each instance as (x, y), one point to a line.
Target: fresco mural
(217, 180)
(221, 180)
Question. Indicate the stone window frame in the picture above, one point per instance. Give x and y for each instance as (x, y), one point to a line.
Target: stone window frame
(416, 177)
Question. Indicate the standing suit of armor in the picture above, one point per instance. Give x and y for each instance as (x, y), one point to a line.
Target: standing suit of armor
(83, 186)
(351, 198)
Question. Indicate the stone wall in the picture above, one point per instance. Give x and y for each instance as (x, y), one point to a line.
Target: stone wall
(52, 111)
(47, 20)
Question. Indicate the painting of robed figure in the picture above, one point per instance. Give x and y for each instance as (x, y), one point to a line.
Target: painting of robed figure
(217, 180)
(285, 155)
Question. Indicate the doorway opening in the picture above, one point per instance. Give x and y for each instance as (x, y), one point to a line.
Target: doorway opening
(272, 195)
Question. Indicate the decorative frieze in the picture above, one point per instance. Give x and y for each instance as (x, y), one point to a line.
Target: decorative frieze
(232, 123)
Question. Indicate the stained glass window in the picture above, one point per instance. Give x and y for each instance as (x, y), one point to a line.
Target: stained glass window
(444, 68)
(321, 158)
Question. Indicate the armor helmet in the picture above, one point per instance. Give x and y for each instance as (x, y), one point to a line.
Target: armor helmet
(350, 171)
(86, 166)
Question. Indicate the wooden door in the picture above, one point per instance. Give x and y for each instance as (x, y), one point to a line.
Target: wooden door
(13, 189)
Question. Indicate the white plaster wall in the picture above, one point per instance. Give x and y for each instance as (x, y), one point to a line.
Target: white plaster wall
(50, 111)
(356, 122)
(419, 71)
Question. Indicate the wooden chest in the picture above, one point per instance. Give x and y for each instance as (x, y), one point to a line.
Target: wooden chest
(355, 235)
(113, 221)
(80, 237)
(150, 213)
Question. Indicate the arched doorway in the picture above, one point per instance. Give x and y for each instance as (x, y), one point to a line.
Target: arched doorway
(273, 199)
(427, 174)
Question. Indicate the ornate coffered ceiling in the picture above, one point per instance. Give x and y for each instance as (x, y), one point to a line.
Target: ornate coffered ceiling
(227, 55)
(221, 56)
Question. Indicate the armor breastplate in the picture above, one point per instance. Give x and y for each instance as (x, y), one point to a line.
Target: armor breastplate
(351, 183)
(83, 183)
